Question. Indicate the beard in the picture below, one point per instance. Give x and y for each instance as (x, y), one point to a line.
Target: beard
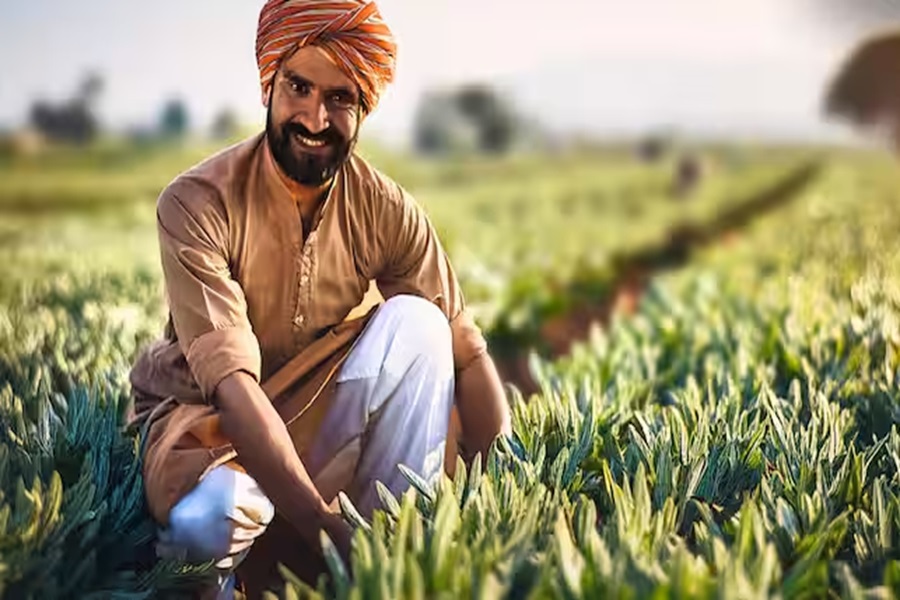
(307, 168)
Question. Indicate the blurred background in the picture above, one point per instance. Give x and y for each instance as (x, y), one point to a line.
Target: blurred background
(585, 68)
(650, 205)
(570, 154)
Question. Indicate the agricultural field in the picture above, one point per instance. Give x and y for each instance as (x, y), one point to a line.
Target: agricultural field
(727, 428)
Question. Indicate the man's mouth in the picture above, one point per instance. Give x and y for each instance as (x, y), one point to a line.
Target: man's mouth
(310, 143)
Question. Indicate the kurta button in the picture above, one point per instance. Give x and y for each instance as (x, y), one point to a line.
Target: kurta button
(298, 321)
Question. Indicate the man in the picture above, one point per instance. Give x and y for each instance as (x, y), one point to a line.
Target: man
(273, 388)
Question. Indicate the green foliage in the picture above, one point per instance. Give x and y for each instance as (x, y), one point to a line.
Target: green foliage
(73, 523)
(696, 486)
(739, 436)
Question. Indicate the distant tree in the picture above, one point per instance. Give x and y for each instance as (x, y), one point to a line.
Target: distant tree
(865, 91)
(90, 89)
(440, 128)
(225, 125)
(429, 137)
(651, 149)
(492, 116)
(855, 15)
(472, 115)
(656, 146)
(74, 121)
(67, 123)
(174, 121)
(429, 134)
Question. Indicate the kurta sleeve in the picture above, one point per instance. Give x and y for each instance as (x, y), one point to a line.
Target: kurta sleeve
(415, 263)
(207, 306)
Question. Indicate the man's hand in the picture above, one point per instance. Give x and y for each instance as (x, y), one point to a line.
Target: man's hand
(483, 409)
(341, 534)
(267, 453)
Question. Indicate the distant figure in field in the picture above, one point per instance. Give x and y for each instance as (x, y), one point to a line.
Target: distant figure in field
(275, 386)
(688, 176)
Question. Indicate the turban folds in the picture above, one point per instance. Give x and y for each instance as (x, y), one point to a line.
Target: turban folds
(352, 32)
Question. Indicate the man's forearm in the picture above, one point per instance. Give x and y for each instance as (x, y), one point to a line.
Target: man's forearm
(483, 409)
(265, 450)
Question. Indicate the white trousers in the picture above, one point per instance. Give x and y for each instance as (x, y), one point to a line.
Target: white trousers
(392, 405)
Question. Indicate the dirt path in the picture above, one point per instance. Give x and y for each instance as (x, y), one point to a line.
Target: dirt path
(636, 270)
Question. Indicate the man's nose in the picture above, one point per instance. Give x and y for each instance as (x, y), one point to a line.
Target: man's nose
(315, 118)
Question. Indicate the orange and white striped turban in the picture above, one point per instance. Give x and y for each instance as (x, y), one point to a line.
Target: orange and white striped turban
(352, 32)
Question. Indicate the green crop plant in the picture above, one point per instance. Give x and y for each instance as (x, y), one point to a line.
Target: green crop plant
(738, 436)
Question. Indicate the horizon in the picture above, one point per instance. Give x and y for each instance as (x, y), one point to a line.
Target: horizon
(696, 66)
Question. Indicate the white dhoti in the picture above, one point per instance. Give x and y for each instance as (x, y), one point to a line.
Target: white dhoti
(392, 405)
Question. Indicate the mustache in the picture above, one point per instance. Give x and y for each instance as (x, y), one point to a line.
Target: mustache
(329, 136)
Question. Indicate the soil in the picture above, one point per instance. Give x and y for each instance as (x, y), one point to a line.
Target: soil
(560, 333)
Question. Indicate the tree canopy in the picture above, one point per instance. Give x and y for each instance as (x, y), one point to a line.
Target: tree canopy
(865, 91)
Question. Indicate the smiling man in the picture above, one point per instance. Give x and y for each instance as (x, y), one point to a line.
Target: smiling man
(273, 387)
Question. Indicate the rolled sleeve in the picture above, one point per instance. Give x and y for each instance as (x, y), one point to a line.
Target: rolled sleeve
(416, 263)
(215, 355)
(207, 305)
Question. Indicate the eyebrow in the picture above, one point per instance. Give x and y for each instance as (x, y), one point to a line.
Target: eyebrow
(296, 78)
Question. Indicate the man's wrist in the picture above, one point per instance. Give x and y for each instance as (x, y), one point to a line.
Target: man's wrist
(317, 513)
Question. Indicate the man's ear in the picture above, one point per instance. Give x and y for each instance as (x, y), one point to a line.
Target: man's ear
(269, 91)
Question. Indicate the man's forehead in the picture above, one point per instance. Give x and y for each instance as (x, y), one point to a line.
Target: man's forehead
(318, 67)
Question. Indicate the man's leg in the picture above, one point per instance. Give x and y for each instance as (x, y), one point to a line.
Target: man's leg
(392, 405)
(218, 520)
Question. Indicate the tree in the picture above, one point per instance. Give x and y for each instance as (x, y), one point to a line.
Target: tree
(490, 114)
(225, 125)
(90, 89)
(428, 130)
(657, 145)
(174, 120)
(74, 121)
(866, 90)
(855, 16)
(472, 117)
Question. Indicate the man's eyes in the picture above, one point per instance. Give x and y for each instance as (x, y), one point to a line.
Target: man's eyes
(301, 88)
(342, 99)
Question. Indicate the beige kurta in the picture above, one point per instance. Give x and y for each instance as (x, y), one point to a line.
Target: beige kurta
(247, 292)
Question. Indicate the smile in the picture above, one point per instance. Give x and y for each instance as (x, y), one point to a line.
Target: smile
(311, 143)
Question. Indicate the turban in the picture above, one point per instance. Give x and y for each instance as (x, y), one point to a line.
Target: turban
(352, 32)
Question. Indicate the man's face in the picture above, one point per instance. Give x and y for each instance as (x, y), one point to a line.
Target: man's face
(313, 116)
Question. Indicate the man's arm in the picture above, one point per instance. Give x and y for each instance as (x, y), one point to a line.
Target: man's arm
(265, 450)
(483, 409)
(209, 313)
(415, 263)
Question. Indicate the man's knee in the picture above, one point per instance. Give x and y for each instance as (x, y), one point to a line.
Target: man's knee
(422, 328)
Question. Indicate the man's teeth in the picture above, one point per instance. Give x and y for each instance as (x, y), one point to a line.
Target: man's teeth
(312, 143)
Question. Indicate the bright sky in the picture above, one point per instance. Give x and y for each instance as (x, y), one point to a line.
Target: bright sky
(749, 66)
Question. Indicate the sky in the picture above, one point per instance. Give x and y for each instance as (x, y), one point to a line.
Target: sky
(732, 67)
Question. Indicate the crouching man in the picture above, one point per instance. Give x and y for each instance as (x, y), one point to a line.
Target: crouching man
(274, 387)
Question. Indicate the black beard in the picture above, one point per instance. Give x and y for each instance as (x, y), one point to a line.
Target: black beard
(303, 167)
